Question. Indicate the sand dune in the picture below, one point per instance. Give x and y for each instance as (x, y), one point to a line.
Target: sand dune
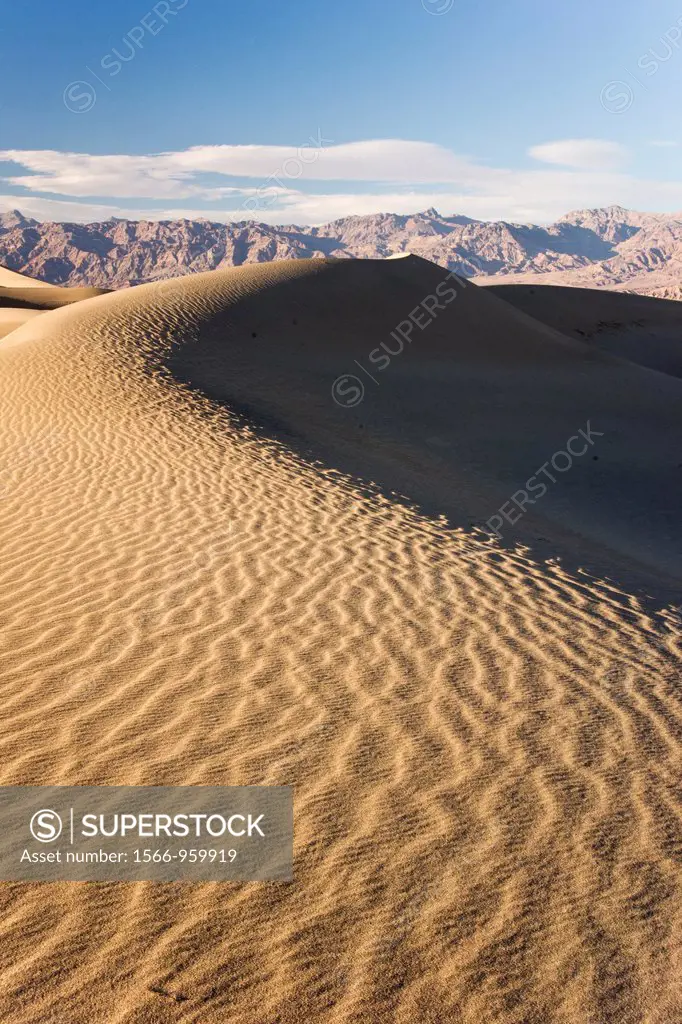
(12, 279)
(206, 578)
(636, 327)
(23, 299)
(17, 291)
(10, 318)
(30, 296)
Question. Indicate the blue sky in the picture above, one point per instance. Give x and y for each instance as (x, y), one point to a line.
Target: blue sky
(306, 111)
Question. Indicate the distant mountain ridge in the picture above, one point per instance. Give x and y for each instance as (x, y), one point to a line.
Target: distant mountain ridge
(607, 247)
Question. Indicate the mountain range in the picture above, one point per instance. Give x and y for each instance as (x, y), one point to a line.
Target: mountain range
(610, 247)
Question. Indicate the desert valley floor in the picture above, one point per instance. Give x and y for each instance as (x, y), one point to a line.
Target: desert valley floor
(212, 573)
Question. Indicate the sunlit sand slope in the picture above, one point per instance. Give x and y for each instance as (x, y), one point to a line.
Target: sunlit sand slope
(23, 299)
(485, 748)
(10, 319)
(12, 279)
(37, 295)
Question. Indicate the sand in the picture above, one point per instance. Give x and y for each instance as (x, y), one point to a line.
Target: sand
(10, 319)
(44, 297)
(23, 299)
(644, 330)
(13, 279)
(21, 293)
(212, 573)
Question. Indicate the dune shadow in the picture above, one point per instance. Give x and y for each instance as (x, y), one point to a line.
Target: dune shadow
(458, 416)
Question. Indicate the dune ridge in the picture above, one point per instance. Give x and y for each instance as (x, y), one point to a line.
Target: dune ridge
(485, 746)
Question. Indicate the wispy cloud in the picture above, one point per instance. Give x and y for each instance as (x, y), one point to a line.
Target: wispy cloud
(376, 176)
(584, 154)
(174, 174)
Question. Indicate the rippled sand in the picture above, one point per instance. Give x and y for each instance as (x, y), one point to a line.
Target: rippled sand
(485, 746)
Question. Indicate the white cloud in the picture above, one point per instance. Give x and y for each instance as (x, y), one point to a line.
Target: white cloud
(321, 160)
(173, 174)
(583, 154)
(398, 176)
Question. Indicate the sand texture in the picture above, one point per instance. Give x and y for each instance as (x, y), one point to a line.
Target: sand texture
(211, 573)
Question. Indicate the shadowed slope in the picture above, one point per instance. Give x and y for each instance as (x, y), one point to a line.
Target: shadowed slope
(460, 419)
(644, 330)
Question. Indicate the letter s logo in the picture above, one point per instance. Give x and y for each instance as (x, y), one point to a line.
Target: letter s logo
(79, 97)
(348, 390)
(46, 826)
